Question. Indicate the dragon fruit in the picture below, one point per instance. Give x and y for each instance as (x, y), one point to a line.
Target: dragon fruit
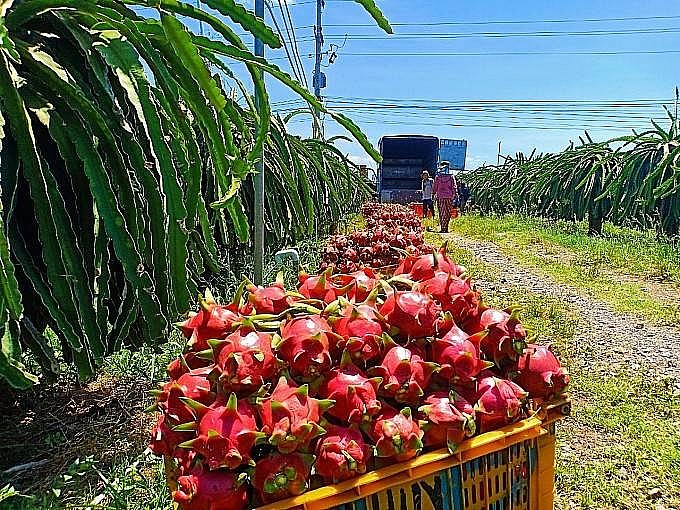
(361, 332)
(395, 434)
(321, 287)
(505, 337)
(211, 490)
(186, 363)
(454, 294)
(226, 434)
(423, 267)
(458, 356)
(412, 314)
(360, 283)
(461, 396)
(280, 476)
(404, 374)
(164, 440)
(246, 361)
(273, 299)
(290, 417)
(499, 403)
(354, 394)
(172, 398)
(341, 454)
(304, 345)
(211, 321)
(539, 372)
(443, 423)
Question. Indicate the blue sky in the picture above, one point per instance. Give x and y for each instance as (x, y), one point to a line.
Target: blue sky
(449, 79)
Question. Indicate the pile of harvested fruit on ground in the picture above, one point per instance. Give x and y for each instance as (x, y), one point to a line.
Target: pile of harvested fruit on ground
(281, 391)
(392, 231)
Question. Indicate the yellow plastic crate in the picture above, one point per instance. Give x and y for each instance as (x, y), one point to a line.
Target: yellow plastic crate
(510, 468)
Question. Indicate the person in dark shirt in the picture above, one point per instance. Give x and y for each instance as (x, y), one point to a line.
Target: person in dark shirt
(463, 195)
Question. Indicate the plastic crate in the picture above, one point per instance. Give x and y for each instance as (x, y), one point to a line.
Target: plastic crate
(510, 468)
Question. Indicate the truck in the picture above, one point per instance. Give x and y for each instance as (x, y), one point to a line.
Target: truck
(404, 157)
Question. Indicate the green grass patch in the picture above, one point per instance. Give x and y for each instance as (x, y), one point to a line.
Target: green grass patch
(566, 253)
(631, 252)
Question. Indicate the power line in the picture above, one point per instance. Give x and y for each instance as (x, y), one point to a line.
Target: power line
(505, 35)
(504, 53)
(510, 22)
(286, 44)
(290, 30)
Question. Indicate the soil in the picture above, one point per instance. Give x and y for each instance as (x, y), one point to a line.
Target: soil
(104, 418)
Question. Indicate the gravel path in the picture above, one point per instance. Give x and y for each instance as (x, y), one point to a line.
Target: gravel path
(602, 333)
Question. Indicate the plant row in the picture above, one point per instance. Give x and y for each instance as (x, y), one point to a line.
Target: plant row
(284, 390)
(631, 181)
(126, 172)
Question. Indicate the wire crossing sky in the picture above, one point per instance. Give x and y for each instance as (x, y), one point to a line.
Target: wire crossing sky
(529, 74)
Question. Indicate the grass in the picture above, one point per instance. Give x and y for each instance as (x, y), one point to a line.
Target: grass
(630, 270)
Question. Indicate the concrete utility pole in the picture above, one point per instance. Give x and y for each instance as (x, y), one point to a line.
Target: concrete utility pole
(258, 178)
(499, 153)
(319, 78)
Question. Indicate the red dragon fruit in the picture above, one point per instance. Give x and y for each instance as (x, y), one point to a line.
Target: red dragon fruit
(321, 287)
(454, 294)
(211, 321)
(404, 374)
(443, 423)
(458, 357)
(246, 361)
(194, 385)
(304, 346)
(505, 336)
(273, 299)
(226, 434)
(290, 417)
(341, 454)
(461, 396)
(395, 434)
(360, 283)
(361, 332)
(413, 314)
(539, 372)
(423, 267)
(499, 403)
(185, 363)
(164, 440)
(280, 476)
(211, 490)
(354, 394)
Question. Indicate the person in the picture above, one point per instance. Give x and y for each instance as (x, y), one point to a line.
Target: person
(446, 192)
(463, 195)
(426, 189)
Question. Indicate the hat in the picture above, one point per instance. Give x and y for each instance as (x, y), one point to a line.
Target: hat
(425, 172)
(444, 164)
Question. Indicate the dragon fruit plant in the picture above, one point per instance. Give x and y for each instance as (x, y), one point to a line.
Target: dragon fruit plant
(285, 389)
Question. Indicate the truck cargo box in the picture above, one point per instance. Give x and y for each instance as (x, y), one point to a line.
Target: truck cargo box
(404, 158)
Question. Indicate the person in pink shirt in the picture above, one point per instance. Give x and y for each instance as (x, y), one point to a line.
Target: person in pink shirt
(446, 193)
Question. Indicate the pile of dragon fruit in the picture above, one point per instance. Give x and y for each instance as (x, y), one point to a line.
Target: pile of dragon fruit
(284, 390)
(392, 231)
